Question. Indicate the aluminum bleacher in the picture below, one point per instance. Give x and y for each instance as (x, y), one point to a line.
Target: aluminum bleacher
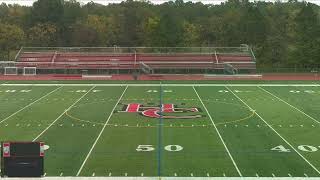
(201, 58)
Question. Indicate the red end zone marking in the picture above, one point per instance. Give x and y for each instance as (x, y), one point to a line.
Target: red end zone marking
(151, 113)
(134, 107)
(167, 108)
(154, 112)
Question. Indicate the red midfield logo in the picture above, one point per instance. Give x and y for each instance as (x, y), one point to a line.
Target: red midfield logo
(154, 112)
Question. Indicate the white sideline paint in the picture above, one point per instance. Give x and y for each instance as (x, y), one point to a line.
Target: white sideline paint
(96, 76)
(276, 132)
(239, 76)
(3, 83)
(172, 85)
(289, 104)
(63, 113)
(104, 126)
(30, 104)
(225, 146)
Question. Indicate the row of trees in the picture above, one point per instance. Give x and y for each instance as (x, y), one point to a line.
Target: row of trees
(282, 34)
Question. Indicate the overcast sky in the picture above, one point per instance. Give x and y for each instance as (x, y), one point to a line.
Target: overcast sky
(29, 2)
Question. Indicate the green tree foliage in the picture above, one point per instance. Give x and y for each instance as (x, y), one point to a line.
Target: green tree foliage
(281, 34)
(150, 30)
(44, 11)
(42, 34)
(191, 34)
(11, 37)
(307, 41)
(105, 28)
(83, 35)
(169, 31)
(72, 11)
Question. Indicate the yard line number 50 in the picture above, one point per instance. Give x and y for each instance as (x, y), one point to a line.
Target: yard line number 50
(146, 148)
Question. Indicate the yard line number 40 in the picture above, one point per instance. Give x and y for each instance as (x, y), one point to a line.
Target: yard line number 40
(305, 148)
(146, 148)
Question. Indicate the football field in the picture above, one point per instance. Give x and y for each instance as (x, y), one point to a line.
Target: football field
(175, 130)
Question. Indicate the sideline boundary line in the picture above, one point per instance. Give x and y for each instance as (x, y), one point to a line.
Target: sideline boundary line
(169, 85)
(104, 126)
(4, 83)
(225, 146)
(63, 113)
(30, 104)
(275, 132)
(289, 104)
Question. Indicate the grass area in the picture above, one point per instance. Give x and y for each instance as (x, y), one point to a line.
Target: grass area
(212, 131)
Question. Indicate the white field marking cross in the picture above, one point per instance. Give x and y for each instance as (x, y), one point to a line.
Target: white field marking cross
(223, 91)
(81, 91)
(305, 91)
(294, 91)
(155, 91)
(238, 91)
(12, 91)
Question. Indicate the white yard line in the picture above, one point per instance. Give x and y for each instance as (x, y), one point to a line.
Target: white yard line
(289, 105)
(63, 113)
(172, 85)
(4, 83)
(104, 126)
(275, 132)
(30, 104)
(225, 146)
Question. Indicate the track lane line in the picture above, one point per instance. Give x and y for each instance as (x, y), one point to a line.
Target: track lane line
(97, 139)
(275, 131)
(63, 113)
(30, 104)
(289, 104)
(224, 144)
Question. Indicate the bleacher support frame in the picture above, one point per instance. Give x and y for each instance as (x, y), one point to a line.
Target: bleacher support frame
(145, 68)
(229, 69)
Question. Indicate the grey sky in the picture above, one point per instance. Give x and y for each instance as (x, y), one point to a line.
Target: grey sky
(29, 2)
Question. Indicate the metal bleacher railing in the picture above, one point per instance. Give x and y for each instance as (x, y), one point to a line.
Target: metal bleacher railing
(146, 50)
(151, 59)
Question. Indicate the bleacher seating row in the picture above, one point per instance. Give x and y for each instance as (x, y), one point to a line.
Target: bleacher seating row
(61, 60)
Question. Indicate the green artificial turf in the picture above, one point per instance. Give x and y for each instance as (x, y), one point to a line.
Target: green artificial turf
(250, 130)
